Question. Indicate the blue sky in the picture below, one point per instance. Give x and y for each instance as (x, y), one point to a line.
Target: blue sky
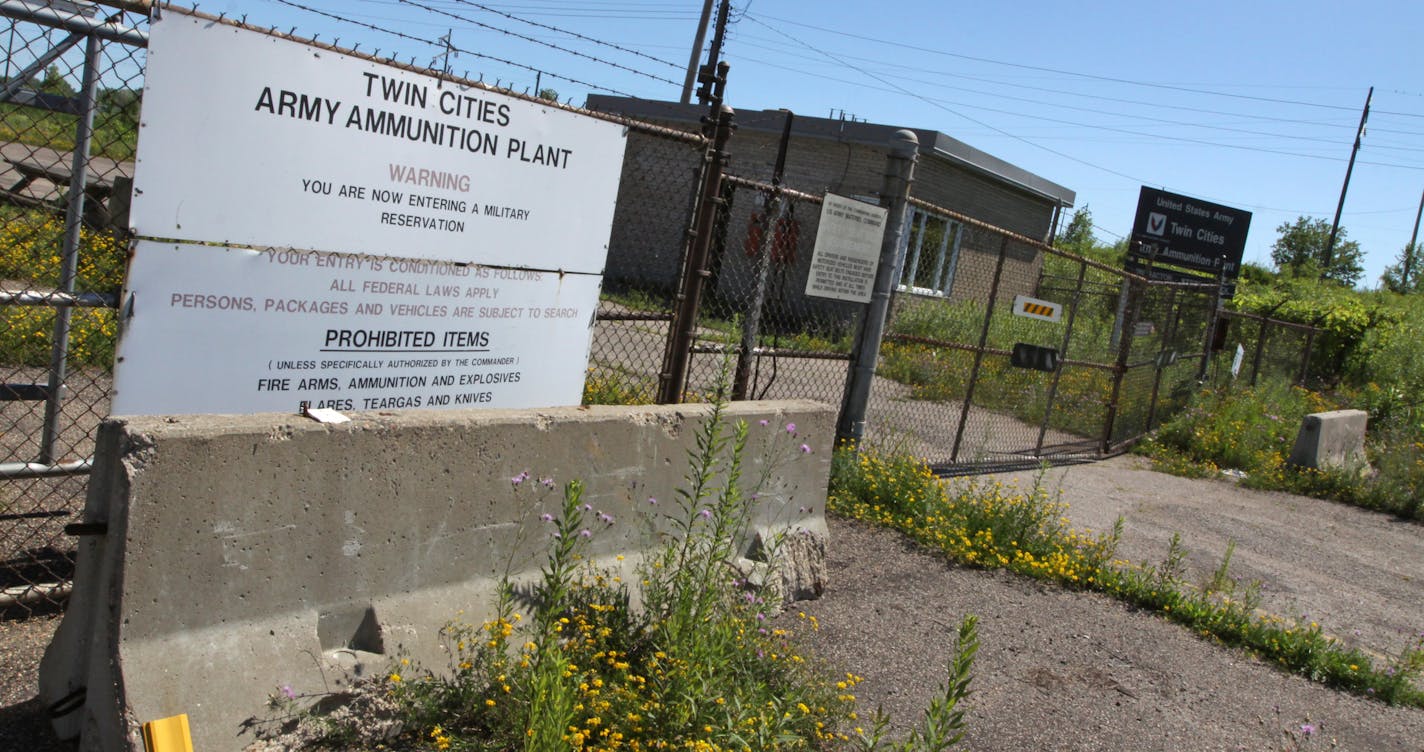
(1252, 105)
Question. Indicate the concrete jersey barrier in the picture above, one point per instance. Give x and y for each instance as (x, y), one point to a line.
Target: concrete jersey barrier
(244, 553)
(1332, 440)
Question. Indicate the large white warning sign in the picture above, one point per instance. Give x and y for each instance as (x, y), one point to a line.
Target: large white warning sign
(318, 230)
(255, 140)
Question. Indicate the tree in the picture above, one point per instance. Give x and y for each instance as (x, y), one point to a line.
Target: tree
(1078, 235)
(1256, 274)
(1300, 252)
(55, 83)
(1403, 275)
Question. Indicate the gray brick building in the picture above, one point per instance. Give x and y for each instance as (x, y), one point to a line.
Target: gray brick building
(825, 155)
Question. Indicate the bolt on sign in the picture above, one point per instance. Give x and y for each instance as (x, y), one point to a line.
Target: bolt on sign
(1188, 232)
(317, 230)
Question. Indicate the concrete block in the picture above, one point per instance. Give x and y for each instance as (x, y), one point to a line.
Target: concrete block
(1333, 440)
(245, 553)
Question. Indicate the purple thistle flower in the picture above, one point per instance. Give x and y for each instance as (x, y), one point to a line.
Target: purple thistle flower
(791, 428)
(546, 517)
(706, 514)
(586, 533)
(652, 501)
(588, 507)
(761, 616)
(763, 422)
(288, 692)
(805, 449)
(605, 517)
(547, 482)
(520, 478)
(1307, 728)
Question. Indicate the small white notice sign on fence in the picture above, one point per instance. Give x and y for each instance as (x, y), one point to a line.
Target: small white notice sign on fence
(847, 250)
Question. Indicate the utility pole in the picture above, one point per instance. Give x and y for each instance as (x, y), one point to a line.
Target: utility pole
(1412, 248)
(696, 52)
(709, 73)
(1335, 228)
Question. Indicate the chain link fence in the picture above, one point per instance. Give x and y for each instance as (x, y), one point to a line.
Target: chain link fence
(1000, 350)
(68, 130)
(1253, 348)
(662, 170)
(1004, 352)
(777, 342)
(948, 370)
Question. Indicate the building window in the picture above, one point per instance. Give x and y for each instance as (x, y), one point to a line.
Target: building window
(931, 253)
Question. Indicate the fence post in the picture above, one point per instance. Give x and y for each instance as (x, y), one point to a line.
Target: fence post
(1260, 350)
(979, 350)
(1169, 336)
(1062, 356)
(1213, 321)
(694, 269)
(895, 197)
(1124, 350)
(69, 253)
(771, 217)
(1305, 359)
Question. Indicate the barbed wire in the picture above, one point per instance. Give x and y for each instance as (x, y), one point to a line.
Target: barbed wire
(550, 45)
(452, 47)
(575, 34)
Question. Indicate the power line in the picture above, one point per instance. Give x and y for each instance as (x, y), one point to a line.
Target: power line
(943, 104)
(571, 33)
(442, 45)
(936, 104)
(1061, 72)
(526, 38)
(999, 82)
(1148, 118)
(580, 10)
(1003, 132)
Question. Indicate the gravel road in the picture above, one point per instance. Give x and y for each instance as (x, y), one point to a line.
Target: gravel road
(1061, 670)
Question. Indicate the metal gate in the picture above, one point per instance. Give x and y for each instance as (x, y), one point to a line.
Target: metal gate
(1003, 352)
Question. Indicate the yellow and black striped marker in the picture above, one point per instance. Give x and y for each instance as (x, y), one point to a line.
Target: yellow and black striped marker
(1037, 309)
